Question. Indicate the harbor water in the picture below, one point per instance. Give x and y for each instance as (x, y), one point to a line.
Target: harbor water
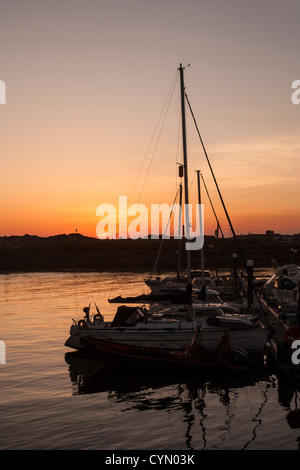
(55, 398)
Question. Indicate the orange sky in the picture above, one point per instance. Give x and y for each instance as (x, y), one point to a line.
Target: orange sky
(87, 81)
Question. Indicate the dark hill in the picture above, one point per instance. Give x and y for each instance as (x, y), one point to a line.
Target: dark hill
(78, 252)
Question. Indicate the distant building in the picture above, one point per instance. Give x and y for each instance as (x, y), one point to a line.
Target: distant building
(270, 235)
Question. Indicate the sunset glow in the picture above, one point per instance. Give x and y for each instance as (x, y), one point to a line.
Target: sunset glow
(86, 83)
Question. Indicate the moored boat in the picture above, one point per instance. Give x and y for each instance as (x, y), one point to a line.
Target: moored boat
(134, 326)
(220, 284)
(194, 357)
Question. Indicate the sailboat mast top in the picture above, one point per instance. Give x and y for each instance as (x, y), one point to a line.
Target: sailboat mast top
(185, 167)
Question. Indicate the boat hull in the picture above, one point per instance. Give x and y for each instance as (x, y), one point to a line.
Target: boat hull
(173, 337)
(158, 358)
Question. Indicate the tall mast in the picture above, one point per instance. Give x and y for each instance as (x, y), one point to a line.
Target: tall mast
(199, 202)
(185, 169)
(179, 225)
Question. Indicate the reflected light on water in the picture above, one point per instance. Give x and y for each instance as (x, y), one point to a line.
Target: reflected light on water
(56, 398)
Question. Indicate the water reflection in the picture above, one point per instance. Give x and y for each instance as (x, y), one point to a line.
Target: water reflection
(91, 375)
(288, 397)
(191, 397)
(207, 413)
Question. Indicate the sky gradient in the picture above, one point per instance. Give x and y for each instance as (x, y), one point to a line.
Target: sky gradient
(86, 82)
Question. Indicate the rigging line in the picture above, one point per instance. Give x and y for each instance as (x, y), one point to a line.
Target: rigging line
(191, 185)
(223, 204)
(217, 186)
(166, 112)
(162, 241)
(212, 205)
(154, 132)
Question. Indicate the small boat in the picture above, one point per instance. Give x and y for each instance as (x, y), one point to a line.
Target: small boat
(199, 299)
(221, 284)
(193, 358)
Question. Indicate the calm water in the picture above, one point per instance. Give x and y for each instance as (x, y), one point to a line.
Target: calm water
(54, 398)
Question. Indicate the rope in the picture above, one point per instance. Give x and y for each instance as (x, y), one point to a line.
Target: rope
(166, 105)
(212, 205)
(217, 186)
(162, 241)
(222, 201)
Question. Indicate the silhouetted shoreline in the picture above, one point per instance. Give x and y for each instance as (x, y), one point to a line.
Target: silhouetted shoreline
(31, 253)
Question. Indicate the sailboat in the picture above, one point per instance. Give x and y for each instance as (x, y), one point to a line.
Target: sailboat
(139, 327)
(200, 278)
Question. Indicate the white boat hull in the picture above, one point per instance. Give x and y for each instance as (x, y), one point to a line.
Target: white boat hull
(173, 337)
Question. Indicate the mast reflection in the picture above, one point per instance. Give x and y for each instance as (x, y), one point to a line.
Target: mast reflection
(191, 397)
